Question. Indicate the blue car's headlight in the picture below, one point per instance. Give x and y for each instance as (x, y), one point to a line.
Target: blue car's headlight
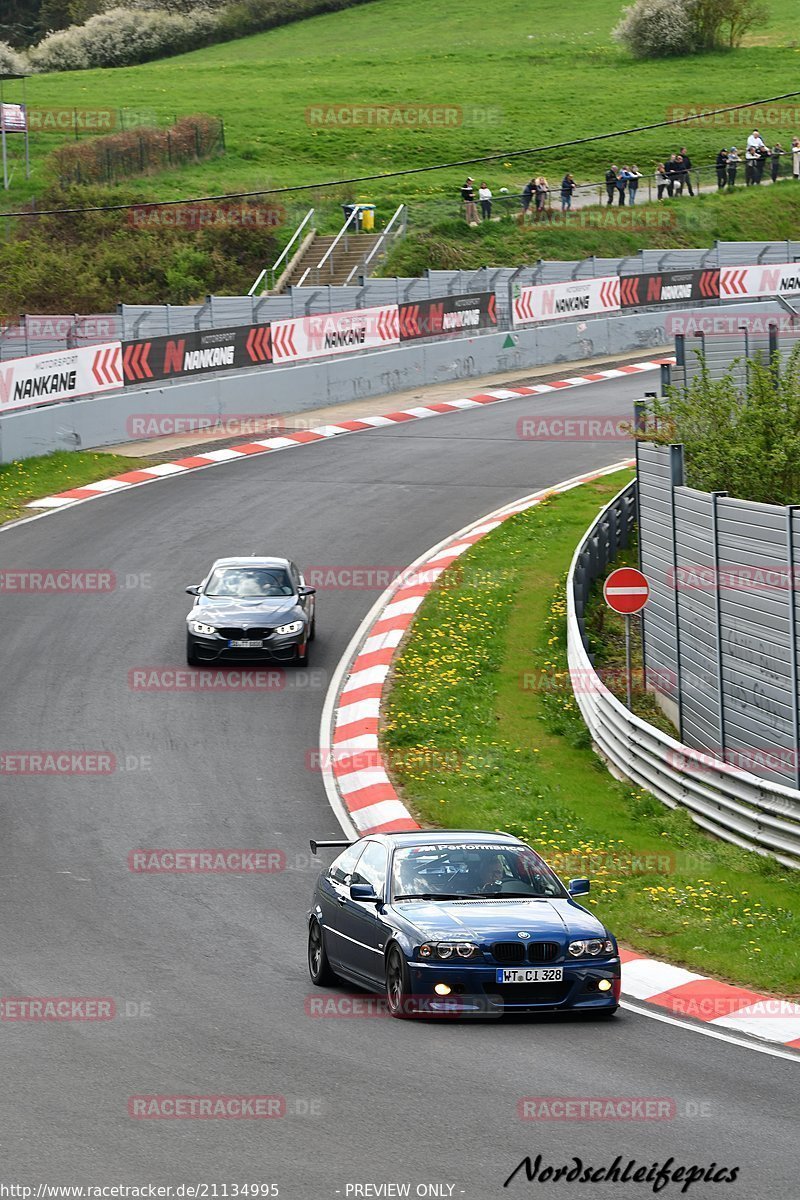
(292, 627)
(591, 947)
(447, 951)
(203, 630)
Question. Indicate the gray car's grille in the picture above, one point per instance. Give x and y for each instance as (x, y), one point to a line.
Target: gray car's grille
(235, 635)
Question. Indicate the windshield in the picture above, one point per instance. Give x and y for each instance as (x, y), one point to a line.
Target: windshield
(243, 582)
(459, 871)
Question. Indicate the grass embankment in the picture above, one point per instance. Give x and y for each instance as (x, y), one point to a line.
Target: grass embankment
(26, 480)
(476, 82)
(534, 77)
(771, 214)
(482, 731)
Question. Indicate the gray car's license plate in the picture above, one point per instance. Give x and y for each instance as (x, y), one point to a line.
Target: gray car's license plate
(530, 974)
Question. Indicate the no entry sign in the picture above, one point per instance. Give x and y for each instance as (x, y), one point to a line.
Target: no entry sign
(626, 590)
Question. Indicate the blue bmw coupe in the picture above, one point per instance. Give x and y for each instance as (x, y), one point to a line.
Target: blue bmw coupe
(456, 923)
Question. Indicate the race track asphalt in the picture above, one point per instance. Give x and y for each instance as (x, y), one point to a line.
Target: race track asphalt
(219, 960)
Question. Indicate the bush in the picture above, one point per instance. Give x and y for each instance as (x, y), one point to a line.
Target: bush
(11, 61)
(664, 28)
(122, 37)
(656, 29)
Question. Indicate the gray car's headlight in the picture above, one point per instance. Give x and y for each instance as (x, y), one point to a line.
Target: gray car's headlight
(591, 947)
(203, 630)
(292, 627)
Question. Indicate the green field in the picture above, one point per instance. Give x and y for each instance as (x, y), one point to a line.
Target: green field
(526, 76)
(482, 731)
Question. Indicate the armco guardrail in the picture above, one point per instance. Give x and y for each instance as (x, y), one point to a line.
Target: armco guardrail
(734, 805)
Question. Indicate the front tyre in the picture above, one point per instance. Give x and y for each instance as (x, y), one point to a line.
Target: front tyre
(318, 966)
(398, 985)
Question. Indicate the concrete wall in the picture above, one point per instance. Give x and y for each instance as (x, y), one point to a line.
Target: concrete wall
(104, 420)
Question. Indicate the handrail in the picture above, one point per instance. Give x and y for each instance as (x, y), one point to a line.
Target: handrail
(361, 266)
(732, 804)
(342, 233)
(278, 262)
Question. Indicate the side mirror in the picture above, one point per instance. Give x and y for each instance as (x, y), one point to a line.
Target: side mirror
(578, 887)
(306, 591)
(364, 892)
(194, 590)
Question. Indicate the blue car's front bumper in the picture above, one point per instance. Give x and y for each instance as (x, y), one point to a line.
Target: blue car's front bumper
(474, 988)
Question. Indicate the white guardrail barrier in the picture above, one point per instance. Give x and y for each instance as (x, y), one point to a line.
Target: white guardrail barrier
(732, 804)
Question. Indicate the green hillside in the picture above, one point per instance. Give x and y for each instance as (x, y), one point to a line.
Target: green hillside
(518, 76)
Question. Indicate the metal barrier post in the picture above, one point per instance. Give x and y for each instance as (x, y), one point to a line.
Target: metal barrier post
(676, 480)
(718, 619)
(791, 509)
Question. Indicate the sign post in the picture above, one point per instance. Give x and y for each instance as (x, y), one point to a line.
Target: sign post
(626, 591)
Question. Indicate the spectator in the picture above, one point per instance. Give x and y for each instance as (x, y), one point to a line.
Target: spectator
(750, 156)
(679, 174)
(796, 157)
(671, 167)
(633, 183)
(687, 166)
(662, 180)
(733, 163)
(567, 189)
(527, 196)
(542, 192)
(755, 141)
(485, 197)
(468, 196)
(722, 169)
(775, 161)
(611, 183)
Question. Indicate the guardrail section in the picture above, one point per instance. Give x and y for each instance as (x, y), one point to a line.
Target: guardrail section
(732, 804)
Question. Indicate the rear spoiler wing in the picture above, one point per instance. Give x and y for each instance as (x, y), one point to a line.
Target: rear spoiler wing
(340, 844)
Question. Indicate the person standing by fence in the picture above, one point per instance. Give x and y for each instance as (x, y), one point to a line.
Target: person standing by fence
(775, 155)
(633, 183)
(485, 197)
(542, 193)
(686, 164)
(722, 169)
(468, 196)
(662, 181)
(733, 163)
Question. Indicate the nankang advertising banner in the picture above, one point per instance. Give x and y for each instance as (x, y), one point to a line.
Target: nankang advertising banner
(559, 301)
(775, 279)
(668, 287)
(335, 333)
(62, 375)
(451, 314)
(196, 353)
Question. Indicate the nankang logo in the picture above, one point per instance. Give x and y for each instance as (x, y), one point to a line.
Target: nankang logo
(523, 935)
